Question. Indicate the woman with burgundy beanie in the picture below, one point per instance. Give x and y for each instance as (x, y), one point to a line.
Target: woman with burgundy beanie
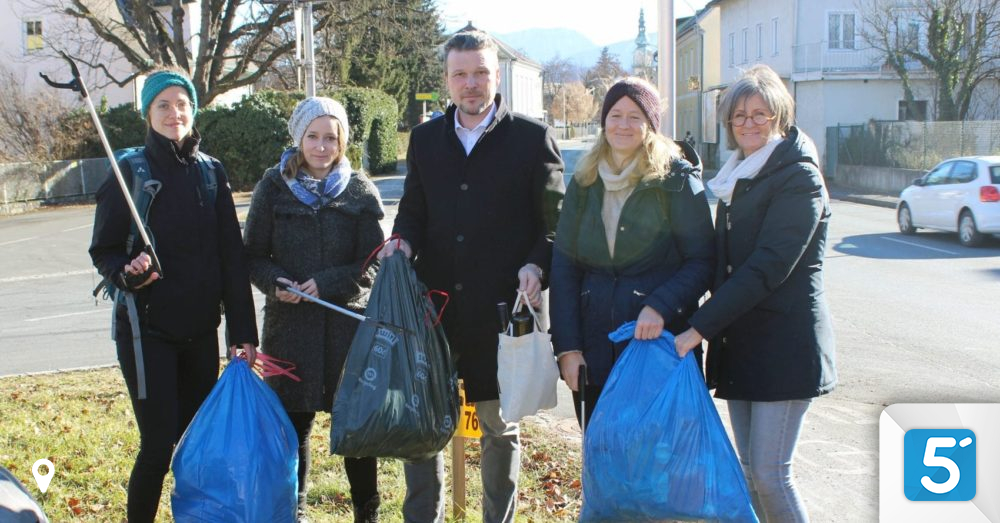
(634, 242)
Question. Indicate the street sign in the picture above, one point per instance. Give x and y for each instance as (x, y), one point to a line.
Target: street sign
(427, 97)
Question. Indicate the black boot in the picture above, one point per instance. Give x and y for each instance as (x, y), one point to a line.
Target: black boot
(368, 511)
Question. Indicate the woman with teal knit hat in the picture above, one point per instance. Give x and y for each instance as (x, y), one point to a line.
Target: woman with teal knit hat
(312, 223)
(171, 363)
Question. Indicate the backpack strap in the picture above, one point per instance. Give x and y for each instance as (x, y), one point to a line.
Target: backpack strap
(209, 179)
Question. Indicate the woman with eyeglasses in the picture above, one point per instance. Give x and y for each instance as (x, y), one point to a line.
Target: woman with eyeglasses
(771, 343)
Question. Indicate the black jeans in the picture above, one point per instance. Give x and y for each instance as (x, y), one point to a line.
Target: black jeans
(362, 473)
(179, 375)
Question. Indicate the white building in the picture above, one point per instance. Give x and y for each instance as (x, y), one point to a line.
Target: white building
(698, 81)
(818, 50)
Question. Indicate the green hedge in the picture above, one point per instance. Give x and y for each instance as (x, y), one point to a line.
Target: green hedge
(250, 136)
(374, 116)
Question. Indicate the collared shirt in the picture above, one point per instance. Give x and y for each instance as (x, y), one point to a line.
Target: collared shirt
(469, 137)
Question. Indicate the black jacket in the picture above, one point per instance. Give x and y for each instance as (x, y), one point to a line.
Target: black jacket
(770, 331)
(664, 258)
(288, 239)
(474, 221)
(198, 243)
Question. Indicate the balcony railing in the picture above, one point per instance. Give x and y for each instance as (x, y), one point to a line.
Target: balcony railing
(818, 57)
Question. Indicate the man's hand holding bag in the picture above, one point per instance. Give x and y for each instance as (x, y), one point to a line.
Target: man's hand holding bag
(526, 369)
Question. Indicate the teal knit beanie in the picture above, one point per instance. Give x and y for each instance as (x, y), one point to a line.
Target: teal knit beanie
(157, 82)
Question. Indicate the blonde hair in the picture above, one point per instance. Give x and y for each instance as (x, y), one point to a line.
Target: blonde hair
(295, 163)
(656, 154)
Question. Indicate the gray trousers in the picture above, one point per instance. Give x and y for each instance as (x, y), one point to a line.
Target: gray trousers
(499, 466)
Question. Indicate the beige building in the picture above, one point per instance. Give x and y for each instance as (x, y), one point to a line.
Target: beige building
(698, 81)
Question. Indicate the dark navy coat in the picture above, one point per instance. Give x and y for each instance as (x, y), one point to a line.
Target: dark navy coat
(664, 258)
(473, 221)
(770, 331)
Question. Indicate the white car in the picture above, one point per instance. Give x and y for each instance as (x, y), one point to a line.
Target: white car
(959, 195)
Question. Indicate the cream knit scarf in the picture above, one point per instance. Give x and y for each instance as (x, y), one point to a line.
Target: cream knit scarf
(738, 168)
(617, 189)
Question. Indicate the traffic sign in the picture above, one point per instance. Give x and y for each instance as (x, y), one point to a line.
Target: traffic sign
(427, 97)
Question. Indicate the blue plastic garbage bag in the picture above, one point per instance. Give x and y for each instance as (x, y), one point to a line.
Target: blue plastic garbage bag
(655, 447)
(238, 459)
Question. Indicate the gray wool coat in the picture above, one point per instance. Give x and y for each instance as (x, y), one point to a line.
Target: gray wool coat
(286, 238)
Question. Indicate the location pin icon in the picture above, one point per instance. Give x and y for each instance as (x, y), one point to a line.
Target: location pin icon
(43, 479)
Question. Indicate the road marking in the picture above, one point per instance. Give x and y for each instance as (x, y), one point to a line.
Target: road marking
(919, 245)
(91, 224)
(43, 318)
(18, 241)
(30, 277)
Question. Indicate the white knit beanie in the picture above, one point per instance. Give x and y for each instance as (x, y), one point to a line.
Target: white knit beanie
(312, 108)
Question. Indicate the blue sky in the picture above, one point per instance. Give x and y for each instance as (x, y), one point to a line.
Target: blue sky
(602, 21)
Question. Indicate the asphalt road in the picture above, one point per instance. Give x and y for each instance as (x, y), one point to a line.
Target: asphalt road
(915, 318)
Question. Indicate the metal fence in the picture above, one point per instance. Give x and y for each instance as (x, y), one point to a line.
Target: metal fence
(577, 131)
(913, 145)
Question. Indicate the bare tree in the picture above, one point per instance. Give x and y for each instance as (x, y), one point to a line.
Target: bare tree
(573, 103)
(601, 77)
(954, 40)
(30, 127)
(235, 43)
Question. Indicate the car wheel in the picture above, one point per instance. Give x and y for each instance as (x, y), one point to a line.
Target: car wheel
(968, 234)
(905, 220)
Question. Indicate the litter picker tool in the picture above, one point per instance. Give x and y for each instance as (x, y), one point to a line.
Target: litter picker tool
(76, 84)
(360, 317)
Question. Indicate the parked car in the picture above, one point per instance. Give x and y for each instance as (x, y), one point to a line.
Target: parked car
(958, 195)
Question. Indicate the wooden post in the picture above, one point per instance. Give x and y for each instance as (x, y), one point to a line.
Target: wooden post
(458, 477)
(468, 427)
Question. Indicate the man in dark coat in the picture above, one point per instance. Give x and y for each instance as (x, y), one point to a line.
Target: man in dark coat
(478, 216)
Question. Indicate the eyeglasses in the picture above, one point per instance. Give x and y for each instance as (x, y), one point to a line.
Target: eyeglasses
(756, 118)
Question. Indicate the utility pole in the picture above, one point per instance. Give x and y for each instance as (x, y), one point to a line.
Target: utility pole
(304, 33)
(667, 77)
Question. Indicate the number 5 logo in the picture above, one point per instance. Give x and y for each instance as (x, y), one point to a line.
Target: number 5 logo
(939, 465)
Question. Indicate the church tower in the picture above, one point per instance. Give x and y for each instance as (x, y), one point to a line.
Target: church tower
(643, 56)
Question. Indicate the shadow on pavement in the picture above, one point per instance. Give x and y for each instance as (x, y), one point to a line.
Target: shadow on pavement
(923, 246)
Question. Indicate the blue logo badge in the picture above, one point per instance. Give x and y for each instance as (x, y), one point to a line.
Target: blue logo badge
(939, 465)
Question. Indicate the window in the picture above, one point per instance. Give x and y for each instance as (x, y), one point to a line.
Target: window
(774, 36)
(732, 49)
(840, 31)
(939, 176)
(963, 172)
(760, 41)
(995, 173)
(916, 111)
(911, 36)
(746, 44)
(32, 35)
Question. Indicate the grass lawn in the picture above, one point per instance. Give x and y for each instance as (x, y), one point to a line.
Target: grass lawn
(82, 421)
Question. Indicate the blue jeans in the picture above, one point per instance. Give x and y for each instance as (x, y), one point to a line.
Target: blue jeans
(499, 467)
(766, 433)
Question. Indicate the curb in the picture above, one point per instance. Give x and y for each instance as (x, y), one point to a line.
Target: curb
(864, 200)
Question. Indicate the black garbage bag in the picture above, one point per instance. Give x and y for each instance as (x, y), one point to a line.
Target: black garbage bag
(398, 394)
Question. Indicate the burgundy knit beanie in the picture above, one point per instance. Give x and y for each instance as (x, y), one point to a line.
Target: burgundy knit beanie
(641, 92)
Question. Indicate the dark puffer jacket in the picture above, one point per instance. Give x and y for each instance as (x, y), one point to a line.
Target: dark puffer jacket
(197, 241)
(664, 258)
(770, 331)
(287, 238)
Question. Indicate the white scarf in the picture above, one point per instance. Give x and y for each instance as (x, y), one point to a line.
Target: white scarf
(741, 169)
(612, 181)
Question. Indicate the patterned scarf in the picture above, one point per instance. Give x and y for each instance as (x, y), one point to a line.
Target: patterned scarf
(318, 193)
